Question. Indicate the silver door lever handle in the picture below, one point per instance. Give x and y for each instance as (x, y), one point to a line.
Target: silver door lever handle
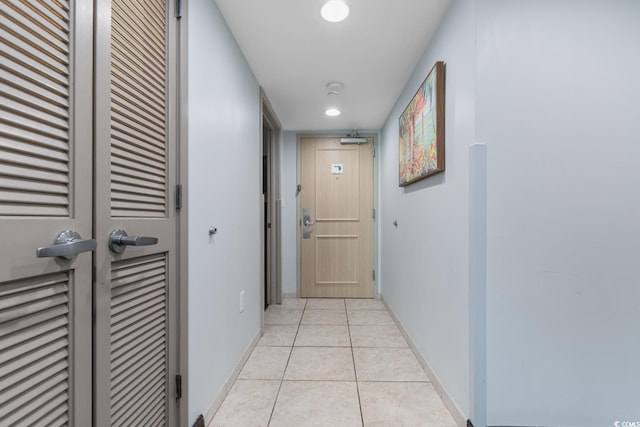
(119, 240)
(308, 222)
(67, 245)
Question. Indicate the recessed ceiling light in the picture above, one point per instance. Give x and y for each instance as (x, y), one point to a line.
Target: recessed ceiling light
(335, 11)
(332, 112)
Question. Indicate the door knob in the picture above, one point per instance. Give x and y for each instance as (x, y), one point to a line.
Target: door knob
(67, 245)
(119, 240)
(308, 222)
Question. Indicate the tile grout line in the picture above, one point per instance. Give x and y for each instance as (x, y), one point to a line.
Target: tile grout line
(275, 401)
(355, 372)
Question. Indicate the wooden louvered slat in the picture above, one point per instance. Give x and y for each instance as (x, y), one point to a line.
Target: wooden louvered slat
(126, 213)
(144, 171)
(56, 36)
(145, 334)
(38, 295)
(27, 173)
(126, 199)
(25, 83)
(130, 91)
(148, 357)
(126, 104)
(129, 140)
(34, 113)
(132, 60)
(37, 334)
(30, 82)
(140, 209)
(145, 286)
(15, 325)
(126, 65)
(152, 395)
(123, 301)
(34, 162)
(56, 382)
(138, 184)
(25, 370)
(20, 385)
(142, 25)
(22, 198)
(129, 273)
(137, 171)
(33, 149)
(124, 34)
(138, 109)
(121, 191)
(140, 164)
(138, 340)
(30, 100)
(57, 8)
(56, 24)
(34, 350)
(52, 71)
(153, 415)
(22, 210)
(38, 408)
(131, 321)
(144, 330)
(121, 151)
(32, 43)
(57, 417)
(136, 326)
(131, 120)
(123, 86)
(33, 186)
(156, 9)
(34, 109)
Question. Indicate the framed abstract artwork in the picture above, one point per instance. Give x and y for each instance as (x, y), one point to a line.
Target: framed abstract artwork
(421, 148)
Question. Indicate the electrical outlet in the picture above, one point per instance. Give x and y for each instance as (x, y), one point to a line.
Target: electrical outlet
(242, 302)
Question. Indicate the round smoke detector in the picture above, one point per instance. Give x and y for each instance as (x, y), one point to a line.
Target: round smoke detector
(334, 88)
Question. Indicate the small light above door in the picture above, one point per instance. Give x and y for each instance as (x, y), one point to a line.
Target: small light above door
(334, 11)
(332, 112)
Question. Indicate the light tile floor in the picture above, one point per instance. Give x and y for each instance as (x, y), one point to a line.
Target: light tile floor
(332, 362)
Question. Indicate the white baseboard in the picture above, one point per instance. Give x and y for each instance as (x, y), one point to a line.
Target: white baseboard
(226, 387)
(456, 413)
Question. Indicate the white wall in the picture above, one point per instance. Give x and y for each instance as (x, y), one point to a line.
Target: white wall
(224, 191)
(558, 89)
(424, 261)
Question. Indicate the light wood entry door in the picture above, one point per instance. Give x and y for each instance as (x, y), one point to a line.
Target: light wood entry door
(336, 218)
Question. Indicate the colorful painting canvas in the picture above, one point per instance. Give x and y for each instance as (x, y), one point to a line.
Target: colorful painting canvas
(422, 130)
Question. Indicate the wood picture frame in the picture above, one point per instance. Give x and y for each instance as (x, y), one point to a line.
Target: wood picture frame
(421, 128)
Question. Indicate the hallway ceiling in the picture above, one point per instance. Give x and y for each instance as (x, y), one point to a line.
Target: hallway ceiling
(294, 53)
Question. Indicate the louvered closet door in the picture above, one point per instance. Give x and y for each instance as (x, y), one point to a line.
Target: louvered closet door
(45, 188)
(135, 169)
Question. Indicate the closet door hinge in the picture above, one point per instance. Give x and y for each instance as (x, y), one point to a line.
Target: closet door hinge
(374, 213)
(178, 197)
(374, 275)
(178, 386)
(178, 9)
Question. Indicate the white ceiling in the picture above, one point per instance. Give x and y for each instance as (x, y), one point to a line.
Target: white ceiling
(294, 53)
